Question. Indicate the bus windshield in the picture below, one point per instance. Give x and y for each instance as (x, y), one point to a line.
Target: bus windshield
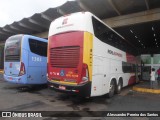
(12, 49)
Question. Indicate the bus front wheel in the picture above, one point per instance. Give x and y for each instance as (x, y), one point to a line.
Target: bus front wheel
(111, 89)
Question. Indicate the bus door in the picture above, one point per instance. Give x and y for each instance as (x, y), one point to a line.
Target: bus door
(12, 57)
(146, 72)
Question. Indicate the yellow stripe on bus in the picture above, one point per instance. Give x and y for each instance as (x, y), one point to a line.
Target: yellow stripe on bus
(70, 83)
(88, 52)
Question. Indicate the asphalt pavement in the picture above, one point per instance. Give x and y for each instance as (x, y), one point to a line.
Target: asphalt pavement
(15, 97)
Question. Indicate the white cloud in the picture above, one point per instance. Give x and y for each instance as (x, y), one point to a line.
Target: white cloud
(15, 10)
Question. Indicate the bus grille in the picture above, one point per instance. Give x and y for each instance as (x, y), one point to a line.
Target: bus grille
(10, 58)
(65, 57)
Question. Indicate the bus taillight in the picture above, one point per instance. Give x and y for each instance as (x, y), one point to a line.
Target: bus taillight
(47, 68)
(47, 72)
(22, 69)
(85, 74)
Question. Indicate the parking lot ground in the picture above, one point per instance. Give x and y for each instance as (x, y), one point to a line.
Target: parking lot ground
(144, 86)
(14, 98)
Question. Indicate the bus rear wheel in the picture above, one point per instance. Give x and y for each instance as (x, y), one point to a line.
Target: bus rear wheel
(119, 87)
(111, 89)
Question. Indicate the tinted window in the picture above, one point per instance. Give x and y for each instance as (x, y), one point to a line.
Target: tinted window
(38, 47)
(12, 48)
(106, 35)
(146, 68)
(128, 67)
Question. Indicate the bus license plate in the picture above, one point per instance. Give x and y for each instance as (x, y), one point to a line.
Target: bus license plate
(62, 87)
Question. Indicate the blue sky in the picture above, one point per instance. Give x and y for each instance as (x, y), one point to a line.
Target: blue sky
(15, 10)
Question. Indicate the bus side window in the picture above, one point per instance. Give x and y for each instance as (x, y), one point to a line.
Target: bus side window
(108, 36)
(38, 47)
(128, 67)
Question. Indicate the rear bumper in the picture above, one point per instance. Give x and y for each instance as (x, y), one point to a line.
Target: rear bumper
(16, 80)
(80, 90)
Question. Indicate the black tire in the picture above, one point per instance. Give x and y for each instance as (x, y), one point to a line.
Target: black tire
(119, 87)
(111, 89)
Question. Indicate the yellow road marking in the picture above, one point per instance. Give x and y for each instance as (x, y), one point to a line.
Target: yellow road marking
(146, 90)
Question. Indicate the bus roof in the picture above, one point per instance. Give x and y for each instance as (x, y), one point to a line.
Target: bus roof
(28, 36)
(80, 21)
(69, 23)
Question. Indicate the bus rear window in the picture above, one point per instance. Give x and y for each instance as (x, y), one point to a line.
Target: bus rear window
(12, 49)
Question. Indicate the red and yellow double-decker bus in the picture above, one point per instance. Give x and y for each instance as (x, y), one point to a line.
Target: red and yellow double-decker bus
(86, 57)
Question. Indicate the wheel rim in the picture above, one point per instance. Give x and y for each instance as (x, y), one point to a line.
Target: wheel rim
(111, 91)
(119, 87)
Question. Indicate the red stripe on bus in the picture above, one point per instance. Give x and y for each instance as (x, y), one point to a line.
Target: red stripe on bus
(132, 80)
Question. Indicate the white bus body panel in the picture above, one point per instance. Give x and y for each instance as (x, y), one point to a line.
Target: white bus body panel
(69, 23)
(105, 67)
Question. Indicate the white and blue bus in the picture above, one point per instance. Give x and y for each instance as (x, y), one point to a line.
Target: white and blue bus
(25, 60)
